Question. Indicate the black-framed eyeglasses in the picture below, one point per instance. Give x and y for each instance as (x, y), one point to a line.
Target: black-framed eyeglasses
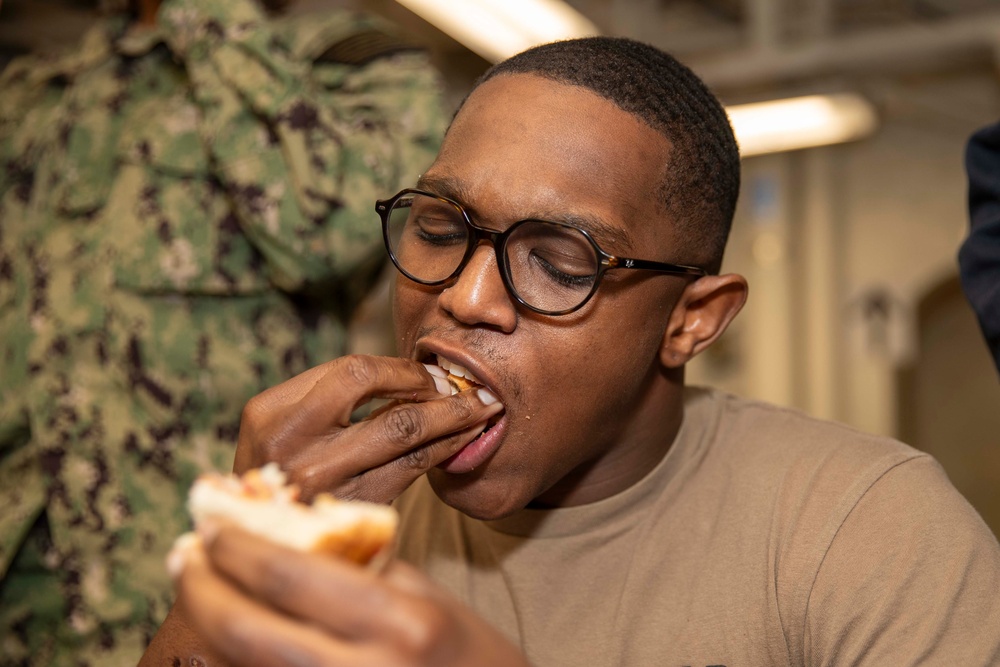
(552, 268)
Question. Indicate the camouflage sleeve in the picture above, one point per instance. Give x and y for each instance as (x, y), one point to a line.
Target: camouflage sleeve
(304, 145)
(22, 492)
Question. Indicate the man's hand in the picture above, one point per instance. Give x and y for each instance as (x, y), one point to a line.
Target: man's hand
(305, 426)
(257, 603)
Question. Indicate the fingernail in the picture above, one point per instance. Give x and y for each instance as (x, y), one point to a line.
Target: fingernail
(436, 371)
(486, 396)
(207, 529)
(440, 383)
(177, 558)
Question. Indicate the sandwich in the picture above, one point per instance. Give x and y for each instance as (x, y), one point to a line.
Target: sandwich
(459, 383)
(262, 502)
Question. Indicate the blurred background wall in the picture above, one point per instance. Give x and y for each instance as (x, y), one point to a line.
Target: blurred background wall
(855, 311)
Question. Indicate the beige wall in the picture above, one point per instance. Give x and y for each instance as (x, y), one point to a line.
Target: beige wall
(841, 246)
(948, 399)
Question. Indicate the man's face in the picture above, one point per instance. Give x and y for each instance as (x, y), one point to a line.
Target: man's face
(577, 388)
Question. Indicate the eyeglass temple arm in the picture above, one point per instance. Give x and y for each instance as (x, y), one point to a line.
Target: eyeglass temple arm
(662, 267)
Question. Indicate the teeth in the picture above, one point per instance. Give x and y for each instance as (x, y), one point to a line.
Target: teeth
(457, 370)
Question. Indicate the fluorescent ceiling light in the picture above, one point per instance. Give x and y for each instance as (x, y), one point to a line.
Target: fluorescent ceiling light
(497, 29)
(801, 122)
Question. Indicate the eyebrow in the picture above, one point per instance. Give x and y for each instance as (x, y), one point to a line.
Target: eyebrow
(607, 236)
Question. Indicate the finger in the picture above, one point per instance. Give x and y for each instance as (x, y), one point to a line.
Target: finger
(352, 602)
(264, 426)
(313, 405)
(248, 633)
(293, 389)
(386, 482)
(354, 380)
(407, 426)
(406, 440)
(382, 409)
(406, 578)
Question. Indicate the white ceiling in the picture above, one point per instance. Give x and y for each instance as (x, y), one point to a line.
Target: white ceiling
(739, 46)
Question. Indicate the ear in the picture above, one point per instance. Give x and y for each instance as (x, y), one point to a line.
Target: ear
(703, 311)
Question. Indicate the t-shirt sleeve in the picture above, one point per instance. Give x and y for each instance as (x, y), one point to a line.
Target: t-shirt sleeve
(911, 577)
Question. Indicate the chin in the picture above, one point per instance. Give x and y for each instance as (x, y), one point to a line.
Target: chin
(474, 495)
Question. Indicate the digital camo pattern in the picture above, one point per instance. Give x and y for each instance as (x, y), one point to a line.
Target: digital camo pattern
(186, 218)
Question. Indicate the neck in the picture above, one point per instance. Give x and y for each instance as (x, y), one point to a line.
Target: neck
(638, 448)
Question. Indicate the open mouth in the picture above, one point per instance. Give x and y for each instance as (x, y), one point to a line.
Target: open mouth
(459, 376)
(461, 379)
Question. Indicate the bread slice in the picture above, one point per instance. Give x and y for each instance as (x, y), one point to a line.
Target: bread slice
(263, 503)
(460, 383)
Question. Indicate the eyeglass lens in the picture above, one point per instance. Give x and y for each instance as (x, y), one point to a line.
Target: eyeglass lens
(549, 266)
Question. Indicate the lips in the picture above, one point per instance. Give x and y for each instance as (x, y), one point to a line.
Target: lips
(462, 379)
(479, 451)
(482, 447)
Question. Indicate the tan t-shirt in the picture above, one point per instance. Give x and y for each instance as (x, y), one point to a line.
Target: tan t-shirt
(764, 537)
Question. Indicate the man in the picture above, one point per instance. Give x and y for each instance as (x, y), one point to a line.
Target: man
(184, 201)
(979, 256)
(582, 507)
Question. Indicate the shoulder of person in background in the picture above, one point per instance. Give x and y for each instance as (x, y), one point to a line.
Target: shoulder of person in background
(979, 256)
(24, 77)
(340, 112)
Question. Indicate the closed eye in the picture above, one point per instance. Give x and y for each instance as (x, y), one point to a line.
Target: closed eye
(560, 275)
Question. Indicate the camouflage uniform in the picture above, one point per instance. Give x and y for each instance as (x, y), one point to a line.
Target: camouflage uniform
(186, 218)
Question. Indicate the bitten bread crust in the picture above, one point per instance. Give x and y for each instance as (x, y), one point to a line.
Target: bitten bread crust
(461, 383)
(264, 503)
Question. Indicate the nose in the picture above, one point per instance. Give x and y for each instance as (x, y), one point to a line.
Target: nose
(478, 297)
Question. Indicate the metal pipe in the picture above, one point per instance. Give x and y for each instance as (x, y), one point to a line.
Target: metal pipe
(764, 24)
(819, 19)
(936, 43)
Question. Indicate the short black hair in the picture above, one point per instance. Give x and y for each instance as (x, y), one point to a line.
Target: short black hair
(701, 181)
